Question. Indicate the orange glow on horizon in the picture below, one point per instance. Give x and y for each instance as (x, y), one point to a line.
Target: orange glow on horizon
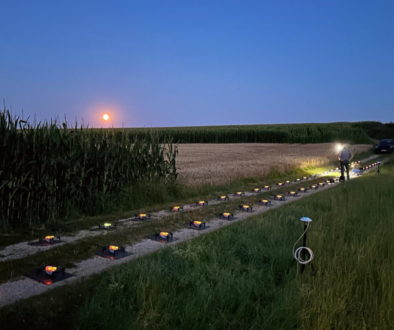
(105, 117)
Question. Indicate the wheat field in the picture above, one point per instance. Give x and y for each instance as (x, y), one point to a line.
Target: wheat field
(220, 163)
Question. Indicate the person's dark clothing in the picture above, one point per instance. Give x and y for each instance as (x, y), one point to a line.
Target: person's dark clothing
(345, 166)
(344, 157)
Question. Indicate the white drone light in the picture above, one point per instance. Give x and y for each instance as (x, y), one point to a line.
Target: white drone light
(305, 219)
(339, 147)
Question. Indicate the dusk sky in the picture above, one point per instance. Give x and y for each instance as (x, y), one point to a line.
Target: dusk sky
(186, 63)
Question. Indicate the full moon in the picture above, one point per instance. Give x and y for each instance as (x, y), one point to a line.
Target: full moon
(105, 117)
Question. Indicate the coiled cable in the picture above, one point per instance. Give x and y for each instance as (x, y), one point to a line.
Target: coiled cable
(297, 253)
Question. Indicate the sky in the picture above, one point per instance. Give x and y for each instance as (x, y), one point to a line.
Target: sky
(186, 63)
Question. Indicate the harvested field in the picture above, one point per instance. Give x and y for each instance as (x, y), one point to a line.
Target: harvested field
(221, 163)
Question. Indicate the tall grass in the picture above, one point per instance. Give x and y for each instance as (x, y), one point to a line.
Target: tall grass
(290, 133)
(49, 170)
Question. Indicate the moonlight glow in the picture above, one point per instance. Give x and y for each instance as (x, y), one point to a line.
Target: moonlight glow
(105, 117)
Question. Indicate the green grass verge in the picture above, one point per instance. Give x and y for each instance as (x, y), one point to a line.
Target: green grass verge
(243, 276)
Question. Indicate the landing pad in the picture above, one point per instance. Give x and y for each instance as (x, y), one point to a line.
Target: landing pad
(46, 243)
(105, 253)
(41, 276)
(156, 237)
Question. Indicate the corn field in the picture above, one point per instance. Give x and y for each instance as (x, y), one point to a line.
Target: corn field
(287, 133)
(48, 171)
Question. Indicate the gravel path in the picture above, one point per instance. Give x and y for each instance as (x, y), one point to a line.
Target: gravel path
(23, 249)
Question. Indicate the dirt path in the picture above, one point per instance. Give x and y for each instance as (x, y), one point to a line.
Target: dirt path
(13, 291)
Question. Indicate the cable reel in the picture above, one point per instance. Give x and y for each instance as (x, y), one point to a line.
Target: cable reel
(303, 254)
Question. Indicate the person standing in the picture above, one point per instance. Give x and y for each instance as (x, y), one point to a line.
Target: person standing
(344, 156)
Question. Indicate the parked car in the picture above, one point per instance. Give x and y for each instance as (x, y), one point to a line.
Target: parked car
(384, 146)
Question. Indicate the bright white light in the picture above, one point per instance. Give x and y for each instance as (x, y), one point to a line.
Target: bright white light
(339, 147)
(306, 219)
(105, 117)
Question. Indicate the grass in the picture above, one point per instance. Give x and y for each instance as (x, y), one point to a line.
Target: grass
(243, 276)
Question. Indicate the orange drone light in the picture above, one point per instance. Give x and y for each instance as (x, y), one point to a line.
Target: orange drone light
(47, 240)
(142, 216)
(50, 269)
(279, 197)
(176, 208)
(112, 252)
(113, 248)
(163, 236)
(265, 202)
(246, 207)
(197, 224)
(226, 215)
